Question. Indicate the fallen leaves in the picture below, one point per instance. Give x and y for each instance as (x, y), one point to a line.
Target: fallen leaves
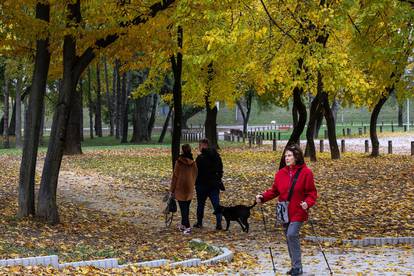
(110, 206)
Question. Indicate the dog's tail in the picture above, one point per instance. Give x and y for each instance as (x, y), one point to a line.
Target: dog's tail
(254, 204)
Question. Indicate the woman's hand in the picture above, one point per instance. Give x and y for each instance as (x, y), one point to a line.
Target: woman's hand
(304, 205)
(259, 199)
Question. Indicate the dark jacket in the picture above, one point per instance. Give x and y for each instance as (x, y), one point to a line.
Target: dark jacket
(210, 169)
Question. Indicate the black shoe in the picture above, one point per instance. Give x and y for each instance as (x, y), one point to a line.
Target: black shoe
(289, 272)
(219, 227)
(296, 271)
(197, 225)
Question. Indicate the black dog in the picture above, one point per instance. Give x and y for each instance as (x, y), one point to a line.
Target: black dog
(239, 213)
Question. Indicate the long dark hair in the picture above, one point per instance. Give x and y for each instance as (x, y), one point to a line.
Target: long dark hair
(297, 153)
(186, 149)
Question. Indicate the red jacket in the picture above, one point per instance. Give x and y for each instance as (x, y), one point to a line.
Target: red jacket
(304, 190)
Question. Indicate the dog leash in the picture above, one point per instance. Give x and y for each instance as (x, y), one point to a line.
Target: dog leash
(270, 248)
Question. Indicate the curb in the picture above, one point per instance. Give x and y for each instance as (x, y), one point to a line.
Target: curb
(365, 241)
(53, 260)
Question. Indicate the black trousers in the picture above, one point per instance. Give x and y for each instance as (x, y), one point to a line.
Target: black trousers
(185, 212)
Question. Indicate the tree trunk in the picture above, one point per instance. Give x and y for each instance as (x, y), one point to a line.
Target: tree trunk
(300, 126)
(315, 110)
(90, 104)
(18, 109)
(153, 113)
(373, 124)
(126, 90)
(165, 126)
(177, 63)
(6, 142)
(72, 143)
(98, 108)
(12, 119)
(210, 124)
(32, 122)
(400, 115)
(108, 99)
(330, 123)
(81, 109)
(118, 101)
(47, 207)
(141, 119)
(246, 114)
(295, 115)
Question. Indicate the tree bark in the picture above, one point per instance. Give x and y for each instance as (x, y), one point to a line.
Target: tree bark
(108, 100)
(330, 123)
(118, 101)
(210, 124)
(295, 115)
(32, 122)
(165, 126)
(126, 90)
(72, 145)
(18, 111)
(300, 126)
(141, 116)
(6, 142)
(47, 208)
(81, 109)
(98, 108)
(90, 103)
(400, 115)
(153, 113)
(246, 114)
(315, 110)
(177, 63)
(373, 123)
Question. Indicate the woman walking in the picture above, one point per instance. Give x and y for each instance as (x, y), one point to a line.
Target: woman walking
(303, 196)
(182, 185)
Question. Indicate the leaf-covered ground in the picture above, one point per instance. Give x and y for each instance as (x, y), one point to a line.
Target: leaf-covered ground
(110, 206)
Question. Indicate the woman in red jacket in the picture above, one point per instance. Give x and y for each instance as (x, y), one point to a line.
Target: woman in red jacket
(303, 197)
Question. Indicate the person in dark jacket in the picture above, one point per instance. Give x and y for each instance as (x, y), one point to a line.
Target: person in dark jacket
(208, 182)
(303, 197)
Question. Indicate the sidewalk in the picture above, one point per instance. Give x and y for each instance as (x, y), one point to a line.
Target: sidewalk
(353, 261)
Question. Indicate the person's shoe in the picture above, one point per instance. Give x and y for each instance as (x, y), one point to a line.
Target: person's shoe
(296, 271)
(219, 227)
(198, 225)
(187, 231)
(289, 272)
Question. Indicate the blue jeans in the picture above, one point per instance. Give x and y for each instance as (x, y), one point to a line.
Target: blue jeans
(202, 195)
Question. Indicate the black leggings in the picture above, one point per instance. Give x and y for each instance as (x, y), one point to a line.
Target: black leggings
(185, 212)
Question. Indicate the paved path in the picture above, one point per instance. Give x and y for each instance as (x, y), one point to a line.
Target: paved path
(374, 261)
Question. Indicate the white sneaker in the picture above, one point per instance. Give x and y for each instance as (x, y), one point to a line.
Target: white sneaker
(187, 231)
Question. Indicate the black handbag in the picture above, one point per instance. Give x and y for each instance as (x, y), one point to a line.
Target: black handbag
(282, 207)
(172, 205)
